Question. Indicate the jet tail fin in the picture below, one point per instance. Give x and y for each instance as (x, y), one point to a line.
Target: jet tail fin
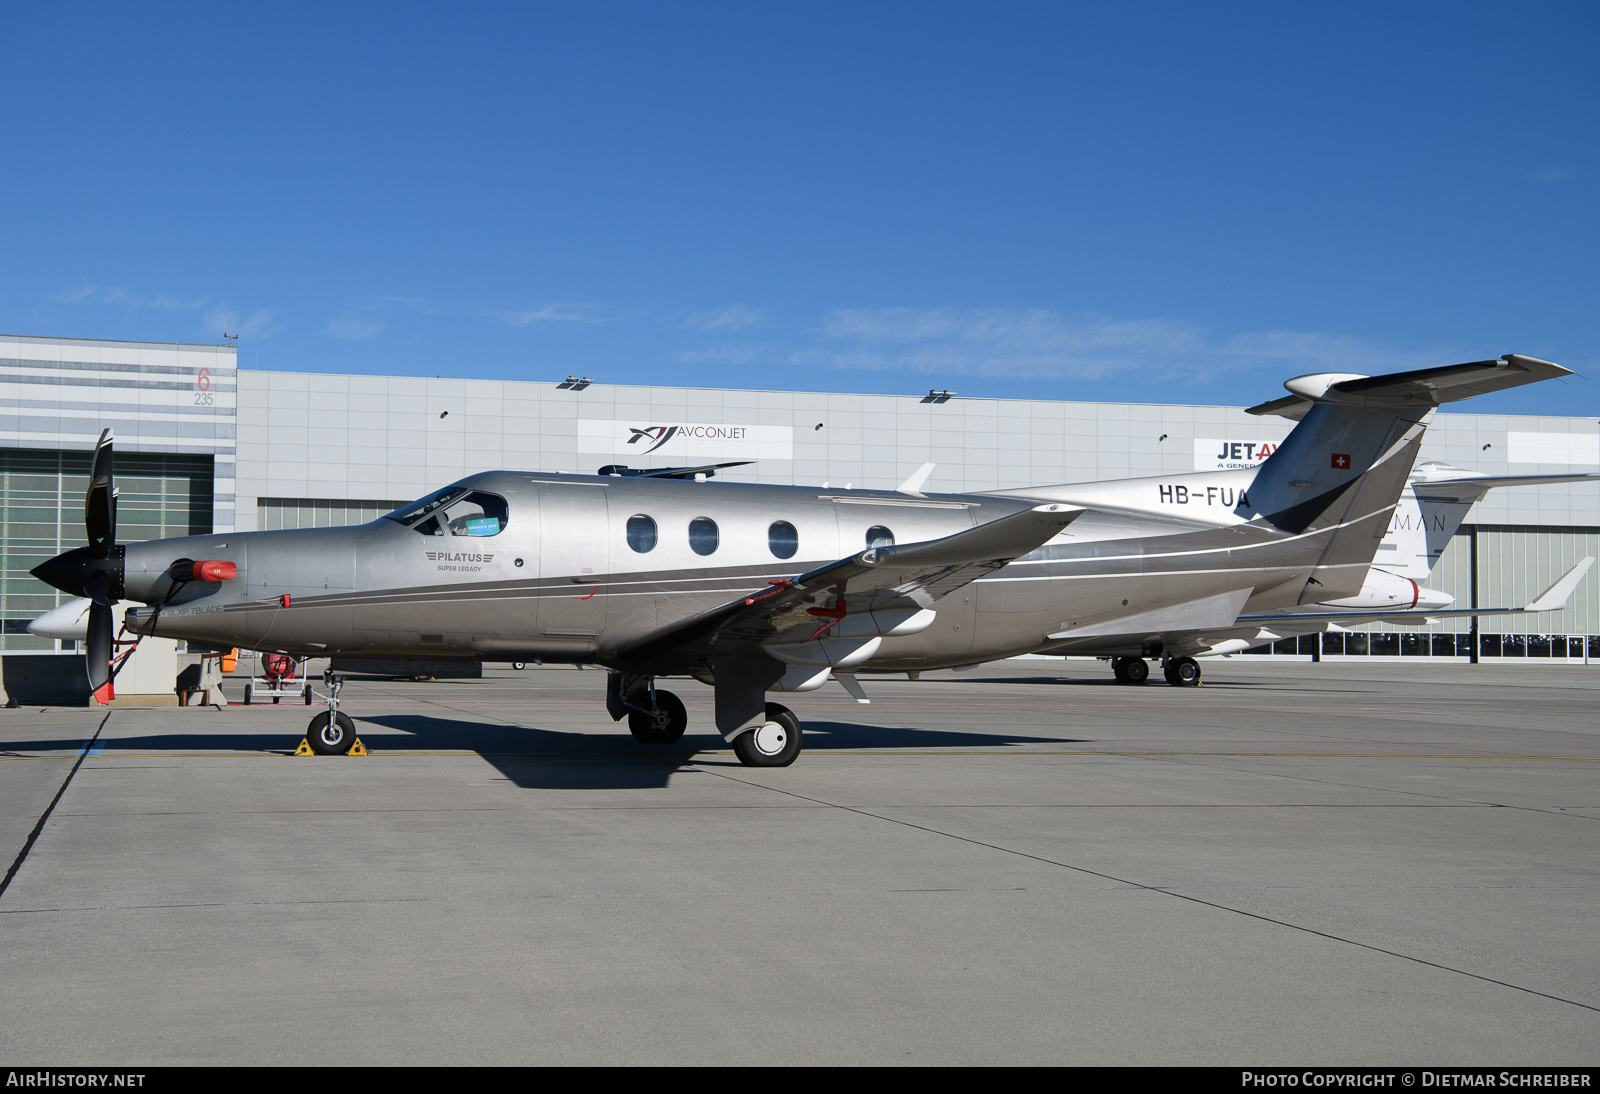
(1346, 464)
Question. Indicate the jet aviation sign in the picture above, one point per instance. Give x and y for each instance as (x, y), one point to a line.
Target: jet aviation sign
(691, 440)
(1226, 455)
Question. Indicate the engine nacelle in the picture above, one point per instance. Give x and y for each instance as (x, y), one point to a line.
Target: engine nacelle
(1385, 590)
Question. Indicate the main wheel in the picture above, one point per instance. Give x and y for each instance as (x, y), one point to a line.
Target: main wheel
(1182, 672)
(1119, 669)
(661, 726)
(774, 743)
(1135, 670)
(331, 734)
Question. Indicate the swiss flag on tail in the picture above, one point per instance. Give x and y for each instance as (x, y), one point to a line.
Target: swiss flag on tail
(1341, 461)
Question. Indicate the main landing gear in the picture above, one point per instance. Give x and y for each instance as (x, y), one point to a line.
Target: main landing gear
(657, 717)
(774, 743)
(1130, 670)
(1180, 672)
(660, 724)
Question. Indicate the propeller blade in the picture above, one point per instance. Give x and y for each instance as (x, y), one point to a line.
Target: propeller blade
(97, 646)
(96, 587)
(100, 501)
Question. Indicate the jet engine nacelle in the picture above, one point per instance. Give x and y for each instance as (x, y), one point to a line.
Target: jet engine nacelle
(1385, 590)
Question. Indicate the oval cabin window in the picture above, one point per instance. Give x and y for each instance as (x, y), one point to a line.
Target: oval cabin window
(702, 535)
(641, 533)
(782, 539)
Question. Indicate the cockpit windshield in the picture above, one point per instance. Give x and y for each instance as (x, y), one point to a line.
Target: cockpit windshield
(456, 512)
(408, 513)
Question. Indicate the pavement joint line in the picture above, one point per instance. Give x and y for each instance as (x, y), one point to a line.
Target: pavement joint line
(1173, 893)
(218, 904)
(33, 836)
(1418, 793)
(130, 754)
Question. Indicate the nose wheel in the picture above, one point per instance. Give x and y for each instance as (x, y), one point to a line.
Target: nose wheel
(331, 733)
(774, 743)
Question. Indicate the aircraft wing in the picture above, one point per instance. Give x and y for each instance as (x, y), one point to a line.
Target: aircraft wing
(1553, 599)
(911, 575)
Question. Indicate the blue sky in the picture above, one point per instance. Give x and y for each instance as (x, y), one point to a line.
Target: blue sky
(1150, 202)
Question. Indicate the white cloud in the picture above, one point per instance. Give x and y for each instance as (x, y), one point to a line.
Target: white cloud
(554, 313)
(734, 317)
(354, 326)
(1043, 344)
(73, 296)
(164, 301)
(227, 321)
(731, 355)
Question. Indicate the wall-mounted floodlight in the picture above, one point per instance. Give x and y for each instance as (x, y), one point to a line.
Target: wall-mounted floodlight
(937, 396)
(1486, 448)
(1161, 438)
(574, 383)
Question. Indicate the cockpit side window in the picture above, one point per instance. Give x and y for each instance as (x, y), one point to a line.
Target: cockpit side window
(477, 514)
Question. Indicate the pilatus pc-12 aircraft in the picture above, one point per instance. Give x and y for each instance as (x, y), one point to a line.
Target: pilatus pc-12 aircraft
(758, 589)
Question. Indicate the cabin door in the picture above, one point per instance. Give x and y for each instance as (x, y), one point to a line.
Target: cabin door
(572, 560)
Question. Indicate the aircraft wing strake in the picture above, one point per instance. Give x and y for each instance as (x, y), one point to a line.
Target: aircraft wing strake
(1206, 613)
(912, 575)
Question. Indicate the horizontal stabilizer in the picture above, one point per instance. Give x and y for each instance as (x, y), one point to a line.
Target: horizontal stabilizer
(1419, 388)
(1477, 485)
(1206, 613)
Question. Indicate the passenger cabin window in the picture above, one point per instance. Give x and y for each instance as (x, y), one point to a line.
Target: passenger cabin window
(641, 533)
(703, 535)
(879, 536)
(782, 539)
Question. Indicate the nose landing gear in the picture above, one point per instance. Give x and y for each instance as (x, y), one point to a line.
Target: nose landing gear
(332, 733)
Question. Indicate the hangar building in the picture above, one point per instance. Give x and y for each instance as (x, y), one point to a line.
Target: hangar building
(203, 446)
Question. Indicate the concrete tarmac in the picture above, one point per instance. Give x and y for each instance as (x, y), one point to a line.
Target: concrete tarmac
(1297, 864)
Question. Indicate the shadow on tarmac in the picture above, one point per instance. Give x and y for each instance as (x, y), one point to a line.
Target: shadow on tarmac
(546, 759)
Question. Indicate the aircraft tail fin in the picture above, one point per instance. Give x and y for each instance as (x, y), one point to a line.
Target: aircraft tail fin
(1345, 466)
(1438, 500)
